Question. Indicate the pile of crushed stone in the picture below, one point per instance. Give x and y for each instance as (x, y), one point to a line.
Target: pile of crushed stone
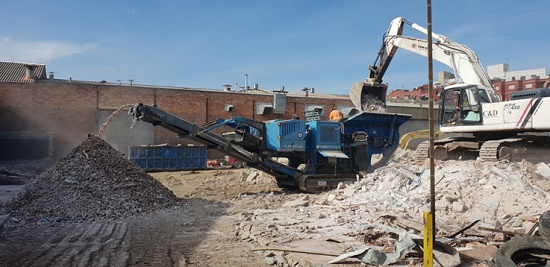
(93, 182)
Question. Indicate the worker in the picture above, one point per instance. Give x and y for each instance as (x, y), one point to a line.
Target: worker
(335, 114)
(456, 114)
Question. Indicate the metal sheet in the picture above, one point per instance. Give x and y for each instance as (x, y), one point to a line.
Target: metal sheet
(372, 119)
(333, 154)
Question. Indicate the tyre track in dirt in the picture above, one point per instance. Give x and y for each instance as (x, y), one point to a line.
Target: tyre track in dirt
(95, 208)
(88, 244)
(200, 232)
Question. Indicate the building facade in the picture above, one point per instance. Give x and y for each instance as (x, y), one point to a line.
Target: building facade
(504, 82)
(42, 116)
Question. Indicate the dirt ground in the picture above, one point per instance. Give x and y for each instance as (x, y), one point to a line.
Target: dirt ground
(202, 232)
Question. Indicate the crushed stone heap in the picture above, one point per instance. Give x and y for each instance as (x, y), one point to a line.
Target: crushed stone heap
(93, 182)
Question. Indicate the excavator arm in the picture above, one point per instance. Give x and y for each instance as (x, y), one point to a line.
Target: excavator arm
(462, 60)
(372, 89)
(425, 133)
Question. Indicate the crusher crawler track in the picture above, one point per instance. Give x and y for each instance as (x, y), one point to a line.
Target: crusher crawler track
(323, 182)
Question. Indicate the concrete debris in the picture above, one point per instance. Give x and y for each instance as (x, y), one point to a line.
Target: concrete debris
(300, 202)
(373, 104)
(482, 253)
(370, 255)
(502, 195)
(251, 178)
(543, 170)
(93, 182)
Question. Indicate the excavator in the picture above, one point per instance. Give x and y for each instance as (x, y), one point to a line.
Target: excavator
(473, 116)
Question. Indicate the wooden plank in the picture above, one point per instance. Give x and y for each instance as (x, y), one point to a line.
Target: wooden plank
(408, 224)
(298, 250)
(309, 252)
(497, 230)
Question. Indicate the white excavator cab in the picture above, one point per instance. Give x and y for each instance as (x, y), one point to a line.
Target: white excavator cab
(462, 104)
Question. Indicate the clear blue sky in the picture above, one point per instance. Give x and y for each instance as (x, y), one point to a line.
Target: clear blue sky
(323, 44)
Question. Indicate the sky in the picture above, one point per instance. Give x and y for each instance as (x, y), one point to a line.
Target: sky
(323, 44)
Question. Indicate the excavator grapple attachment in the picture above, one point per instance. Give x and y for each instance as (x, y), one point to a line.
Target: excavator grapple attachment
(363, 94)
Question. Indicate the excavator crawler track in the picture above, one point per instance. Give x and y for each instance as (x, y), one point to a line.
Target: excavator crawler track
(449, 148)
(516, 148)
(489, 150)
(423, 151)
(512, 149)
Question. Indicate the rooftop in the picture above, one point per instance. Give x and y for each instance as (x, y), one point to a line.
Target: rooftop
(18, 72)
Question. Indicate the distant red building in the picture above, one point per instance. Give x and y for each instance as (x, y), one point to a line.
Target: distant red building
(507, 87)
(418, 93)
(504, 88)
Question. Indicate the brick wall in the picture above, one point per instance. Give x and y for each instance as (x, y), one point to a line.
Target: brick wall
(69, 109)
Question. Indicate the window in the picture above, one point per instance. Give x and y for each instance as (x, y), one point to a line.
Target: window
(469, 97)
(483, 96)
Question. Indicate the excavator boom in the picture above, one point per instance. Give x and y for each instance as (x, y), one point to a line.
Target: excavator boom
(462, 60)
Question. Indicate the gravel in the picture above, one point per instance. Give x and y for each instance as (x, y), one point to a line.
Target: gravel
(93, 182)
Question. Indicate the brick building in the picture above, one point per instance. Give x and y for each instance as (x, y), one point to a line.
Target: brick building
(505, 88)
(41, 116)
(504, 81)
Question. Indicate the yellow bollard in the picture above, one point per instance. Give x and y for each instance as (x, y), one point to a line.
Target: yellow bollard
(428, 242)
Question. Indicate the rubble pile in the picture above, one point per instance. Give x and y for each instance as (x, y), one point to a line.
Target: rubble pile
(507, 197)
(93, 182)
(493, 192)
(373, 104)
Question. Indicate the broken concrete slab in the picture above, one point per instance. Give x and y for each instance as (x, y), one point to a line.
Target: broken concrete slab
(478, 254)
(467, 191)
(300, 202)
(252, 176)
(543, 170)
(376, 256)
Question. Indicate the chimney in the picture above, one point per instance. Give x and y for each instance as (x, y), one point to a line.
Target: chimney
(29, 75)
(51, 77)
(306, 91)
